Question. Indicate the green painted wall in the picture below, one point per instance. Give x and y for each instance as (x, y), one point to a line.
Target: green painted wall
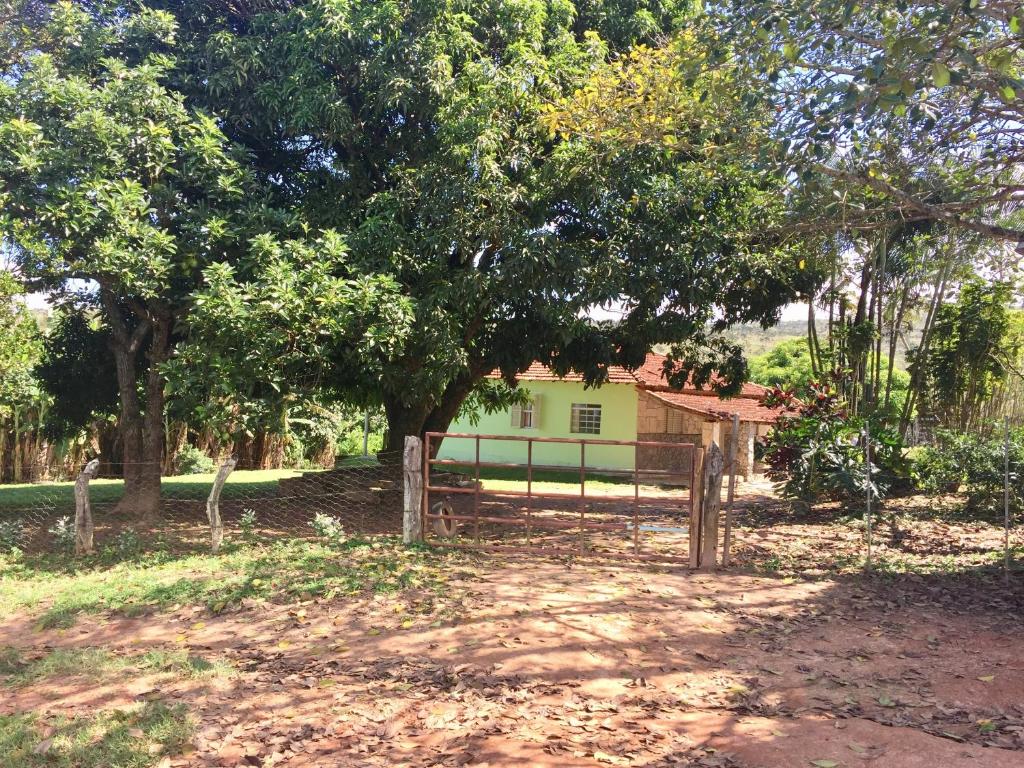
(555, 398)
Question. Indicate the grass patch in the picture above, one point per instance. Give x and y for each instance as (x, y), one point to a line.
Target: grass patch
(46, 496)
(98, 663)
(127, 738)
(59, 589)
(553, 480)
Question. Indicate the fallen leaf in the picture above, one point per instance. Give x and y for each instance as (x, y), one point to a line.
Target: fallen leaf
(824, 763)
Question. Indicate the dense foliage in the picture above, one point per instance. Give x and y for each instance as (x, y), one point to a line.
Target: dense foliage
(973, 352)
(21, 401)
(936, 84)
(977, 464)
(423, 133)
(816, 451)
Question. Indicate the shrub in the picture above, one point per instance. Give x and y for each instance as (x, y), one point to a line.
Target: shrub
(976, 463)
(192, 461)
(127, 543)
(247, 522)
(815, 452)
(63, 532)
(327, 527)
(10, 534)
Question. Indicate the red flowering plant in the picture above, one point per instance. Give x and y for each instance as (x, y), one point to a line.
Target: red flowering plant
(815, 451)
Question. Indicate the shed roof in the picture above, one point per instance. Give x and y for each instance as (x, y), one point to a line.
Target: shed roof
(708, 405)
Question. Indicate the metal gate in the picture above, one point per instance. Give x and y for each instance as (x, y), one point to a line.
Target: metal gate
(527, 505)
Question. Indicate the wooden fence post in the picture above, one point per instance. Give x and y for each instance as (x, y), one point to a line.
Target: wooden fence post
(213, 504)
(711, 505)
(412, 463)
(734, 443)
(697, 497)
(83, 511)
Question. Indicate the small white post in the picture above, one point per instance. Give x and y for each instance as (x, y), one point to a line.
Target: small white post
(867, 506)
(412, 470)
(213, 504)
(83, 511)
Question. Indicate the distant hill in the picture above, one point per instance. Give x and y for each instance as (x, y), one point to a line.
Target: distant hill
(756, 340)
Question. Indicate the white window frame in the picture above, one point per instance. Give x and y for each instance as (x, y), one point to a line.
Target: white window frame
(585, 419)
(526, 416)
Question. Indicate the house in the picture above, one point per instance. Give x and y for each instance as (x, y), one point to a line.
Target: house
(632, 405)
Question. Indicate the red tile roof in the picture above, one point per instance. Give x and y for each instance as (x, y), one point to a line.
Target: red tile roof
(709, 405)
(540, 372)
(650, 376)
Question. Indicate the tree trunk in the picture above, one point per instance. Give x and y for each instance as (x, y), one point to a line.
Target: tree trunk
(177, 439)
(415, 420)
(918, 372)
(17, 457)
(404, 420)
(3, 450)
(153, 421)
(141, 428)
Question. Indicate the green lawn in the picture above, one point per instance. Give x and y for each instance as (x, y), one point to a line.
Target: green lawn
(134, 737)
(551, 480)
(55, 589)
(240, 484)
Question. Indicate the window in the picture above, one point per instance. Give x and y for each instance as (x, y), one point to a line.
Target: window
(526, 416)
(586, 418)
(674, 420)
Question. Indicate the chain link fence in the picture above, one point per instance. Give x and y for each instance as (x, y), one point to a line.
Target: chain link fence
(361, 496)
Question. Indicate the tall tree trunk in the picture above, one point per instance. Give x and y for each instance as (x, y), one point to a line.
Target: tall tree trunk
(420, 418)
(917, 375)
(403, 419)
(880, 313)
(894, 333)
(141, 427)
(16, 458)
(813, 347)
(153, 418)
(858, 349)
(177, 439)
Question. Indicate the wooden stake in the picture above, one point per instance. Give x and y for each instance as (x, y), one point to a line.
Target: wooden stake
(83, 511)
(213, 504)
(734, 440)
(711, 506)
(413, 460)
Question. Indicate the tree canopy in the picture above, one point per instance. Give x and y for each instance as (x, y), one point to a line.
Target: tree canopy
(421, 132)
(917, 105)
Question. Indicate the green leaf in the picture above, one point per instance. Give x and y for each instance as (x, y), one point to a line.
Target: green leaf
(823, 763)
(940, 74)
(1009, 92)
(790, 51)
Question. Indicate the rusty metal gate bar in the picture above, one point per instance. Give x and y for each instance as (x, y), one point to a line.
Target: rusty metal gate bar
(529, 494)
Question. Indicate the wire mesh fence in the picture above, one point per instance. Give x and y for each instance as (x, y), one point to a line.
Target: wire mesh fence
(361, 496)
